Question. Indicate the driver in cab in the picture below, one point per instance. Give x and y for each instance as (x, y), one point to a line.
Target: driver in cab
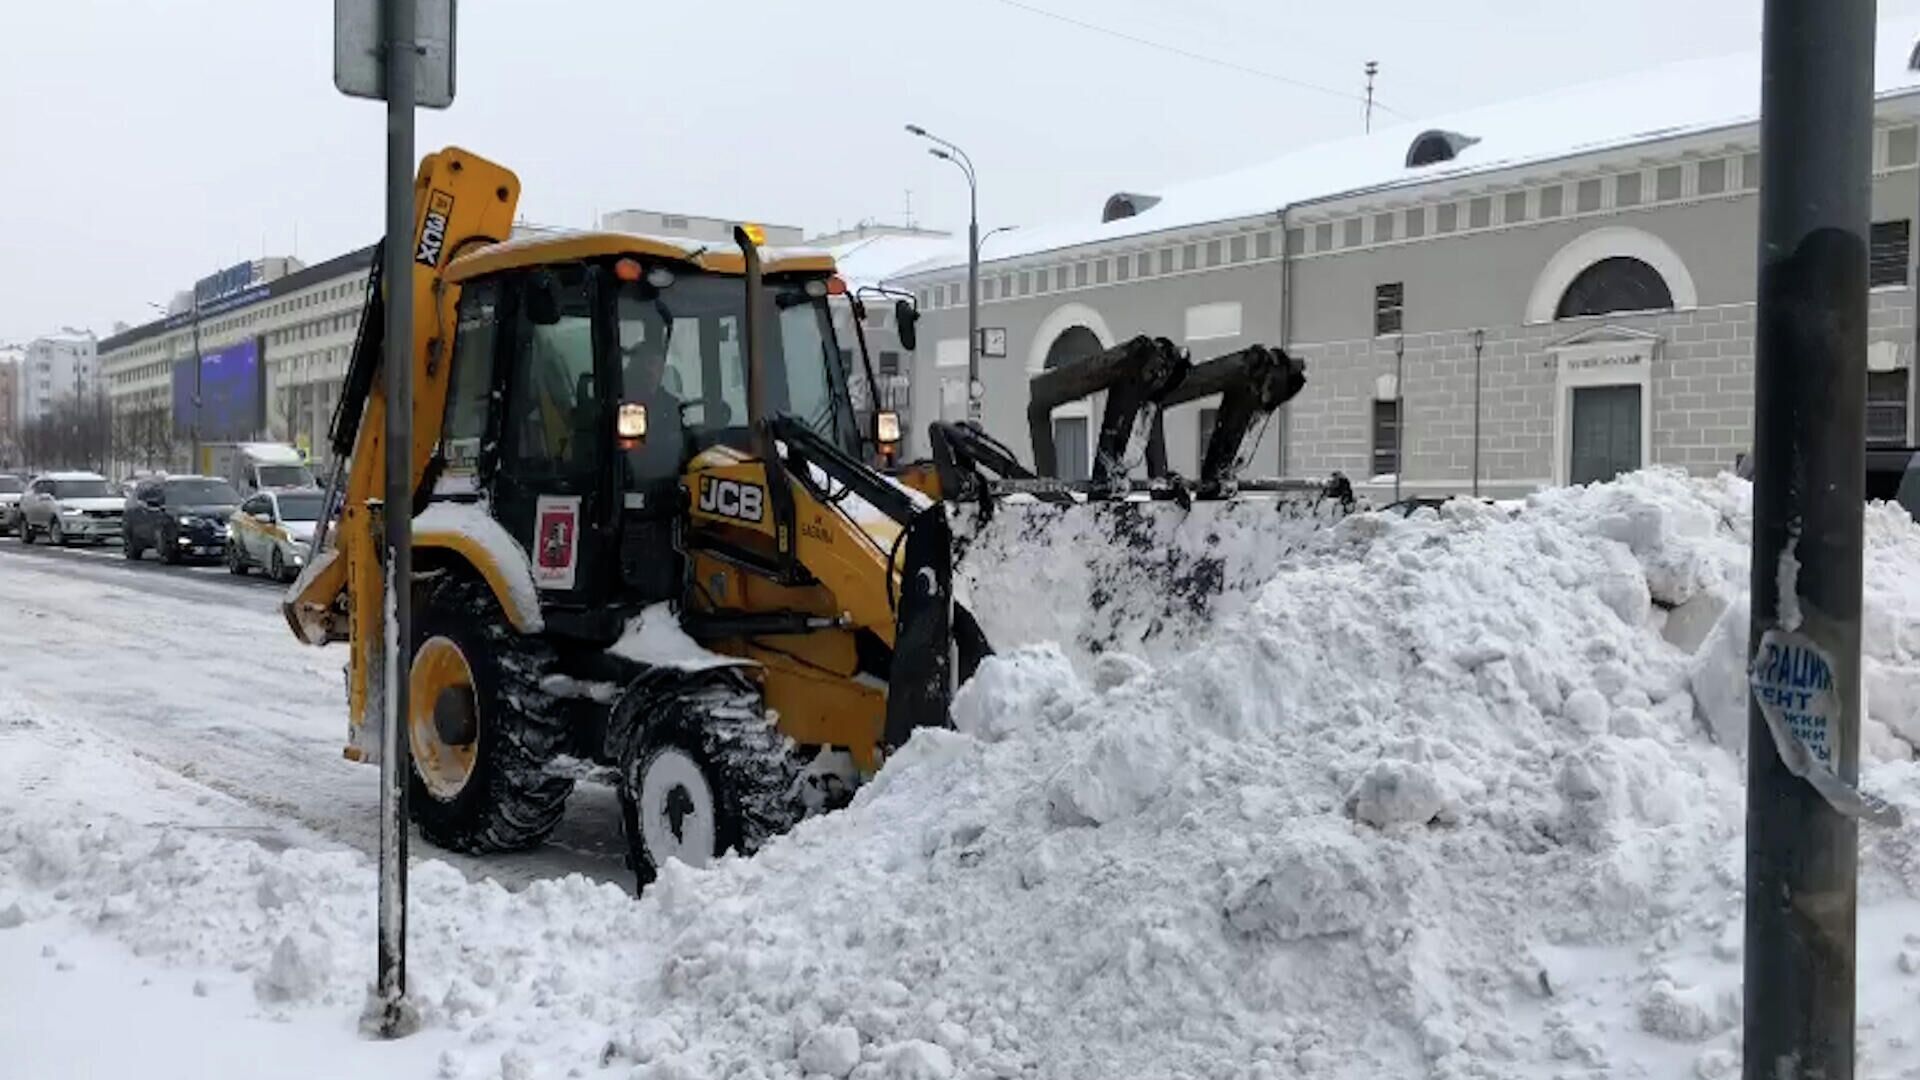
(646, 380)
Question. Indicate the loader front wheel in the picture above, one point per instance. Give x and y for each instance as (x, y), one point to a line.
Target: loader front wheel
(480, 728)
(706, 774)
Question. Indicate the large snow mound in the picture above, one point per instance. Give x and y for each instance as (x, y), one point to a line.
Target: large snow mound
(1437, 798)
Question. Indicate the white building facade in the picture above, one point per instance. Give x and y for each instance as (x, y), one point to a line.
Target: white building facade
(303, 323)
(1542, 292)
(55, 367)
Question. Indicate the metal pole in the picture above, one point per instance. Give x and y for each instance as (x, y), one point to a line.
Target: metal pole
(1809, 478)
(194, 466)
(1399, 413)
(947, 151)
(1373, 68)
(973, 299)
(397, 361)
(1479, 342)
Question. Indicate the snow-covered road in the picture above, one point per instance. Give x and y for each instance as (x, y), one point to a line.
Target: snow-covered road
(194, 670)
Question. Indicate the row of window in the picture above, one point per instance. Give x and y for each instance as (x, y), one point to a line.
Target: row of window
(1888, 405)
(335, 324)
(1670, 183)
(256, 313)
(1622, 284)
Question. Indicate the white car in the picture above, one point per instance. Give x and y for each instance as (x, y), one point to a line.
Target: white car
(273, 531)
(11, 488)
(65, 507)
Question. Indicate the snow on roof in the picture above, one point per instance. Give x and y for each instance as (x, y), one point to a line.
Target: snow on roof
(870, 260)
(1682, 98)
(272, 453)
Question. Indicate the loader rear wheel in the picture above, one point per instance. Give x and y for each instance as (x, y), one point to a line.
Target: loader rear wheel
(480, 728)
(707, 773)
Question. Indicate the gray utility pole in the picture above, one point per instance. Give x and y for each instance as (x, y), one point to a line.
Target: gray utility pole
(402, 52)
(1809, 450)
(1479, 346)
(397, 365)
(1399, 413)
(946, 151)
(1373, 68)
(195, 466)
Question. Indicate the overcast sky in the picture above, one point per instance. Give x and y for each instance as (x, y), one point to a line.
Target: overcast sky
(148, 144)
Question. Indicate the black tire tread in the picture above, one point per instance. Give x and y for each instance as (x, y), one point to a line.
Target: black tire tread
(719, 718)
(512, 802)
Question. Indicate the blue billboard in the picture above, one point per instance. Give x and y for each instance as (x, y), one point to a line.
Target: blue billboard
(225, 283)
(233, 394)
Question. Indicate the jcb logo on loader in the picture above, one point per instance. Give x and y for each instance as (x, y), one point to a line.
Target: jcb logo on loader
(731, 498)
(433, 231)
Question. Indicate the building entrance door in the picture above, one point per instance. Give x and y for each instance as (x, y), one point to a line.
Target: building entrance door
(1070, 447)
(1605, 433)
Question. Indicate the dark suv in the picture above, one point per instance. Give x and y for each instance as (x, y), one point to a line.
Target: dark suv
(180, 517)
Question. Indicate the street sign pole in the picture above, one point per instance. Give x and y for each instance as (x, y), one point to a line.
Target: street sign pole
(399, 51)
(1809, 478)
(398, 24)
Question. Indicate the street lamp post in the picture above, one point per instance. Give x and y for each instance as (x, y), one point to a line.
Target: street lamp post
(947, 151)
(990, 234)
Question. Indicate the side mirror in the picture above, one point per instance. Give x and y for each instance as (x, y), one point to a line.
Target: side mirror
(904, 318)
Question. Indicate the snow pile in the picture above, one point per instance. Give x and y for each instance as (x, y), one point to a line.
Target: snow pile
(1440, 799)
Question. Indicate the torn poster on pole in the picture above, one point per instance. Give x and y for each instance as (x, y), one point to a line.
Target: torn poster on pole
(1792, 680)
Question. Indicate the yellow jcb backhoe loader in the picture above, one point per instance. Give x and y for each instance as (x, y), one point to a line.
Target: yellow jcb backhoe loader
(646, 536)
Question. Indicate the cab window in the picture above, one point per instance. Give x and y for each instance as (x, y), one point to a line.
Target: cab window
(681, 337)
(470, 383)
(552, 405)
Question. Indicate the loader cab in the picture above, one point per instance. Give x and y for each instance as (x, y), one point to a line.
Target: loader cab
(583, 390)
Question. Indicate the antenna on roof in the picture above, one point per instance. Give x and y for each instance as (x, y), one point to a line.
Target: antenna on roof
(1373, 68)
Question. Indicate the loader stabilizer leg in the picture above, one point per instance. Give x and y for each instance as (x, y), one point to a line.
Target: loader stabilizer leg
(920, 687)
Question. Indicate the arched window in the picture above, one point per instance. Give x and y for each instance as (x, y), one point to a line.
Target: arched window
(1074, 343)
(1615, 283)
(1072, 428)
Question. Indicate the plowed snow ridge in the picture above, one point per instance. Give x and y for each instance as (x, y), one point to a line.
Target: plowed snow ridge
(1428, 797)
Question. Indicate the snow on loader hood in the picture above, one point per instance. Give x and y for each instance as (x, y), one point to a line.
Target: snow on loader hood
(1437, 797)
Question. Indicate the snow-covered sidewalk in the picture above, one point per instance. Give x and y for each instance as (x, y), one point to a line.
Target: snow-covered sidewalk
(1454, 796)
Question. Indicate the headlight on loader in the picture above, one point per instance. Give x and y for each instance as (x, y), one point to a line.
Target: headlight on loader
(887, 427)
(631, 422)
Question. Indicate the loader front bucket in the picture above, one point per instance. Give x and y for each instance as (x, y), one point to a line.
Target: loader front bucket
(920, 684)
(1142, 576)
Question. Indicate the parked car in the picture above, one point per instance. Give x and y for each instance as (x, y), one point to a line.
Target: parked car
(11, 488)
(65, 507)
(1893, 475)
(179, 517)
(273, 531)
